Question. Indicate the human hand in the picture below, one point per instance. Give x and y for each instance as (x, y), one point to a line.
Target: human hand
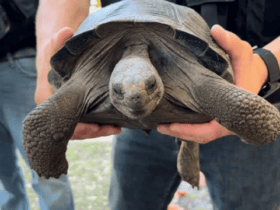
(44, 53)
(43, 91)
(250, 74)
(91, 130)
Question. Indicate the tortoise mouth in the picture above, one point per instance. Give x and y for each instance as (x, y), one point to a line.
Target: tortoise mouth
(137, 114)
(143, 110)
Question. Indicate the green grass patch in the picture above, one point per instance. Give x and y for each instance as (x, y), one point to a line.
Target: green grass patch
(192, 196)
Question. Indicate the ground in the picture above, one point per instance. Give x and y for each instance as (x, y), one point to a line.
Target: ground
(90, 185)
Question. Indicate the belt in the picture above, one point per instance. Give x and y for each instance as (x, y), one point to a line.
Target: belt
(22, 53)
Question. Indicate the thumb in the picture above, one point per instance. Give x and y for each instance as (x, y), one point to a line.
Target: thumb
(220, 35)
(61, 37)
(230, 42)
(43, 89)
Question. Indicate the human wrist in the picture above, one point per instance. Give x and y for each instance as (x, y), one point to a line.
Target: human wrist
(274, 47)
(44, 53)
(271, 63)
(261, 69)
(268, 60)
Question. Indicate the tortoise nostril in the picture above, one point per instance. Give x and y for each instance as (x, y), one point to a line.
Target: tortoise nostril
(136, 101)
(135, 97)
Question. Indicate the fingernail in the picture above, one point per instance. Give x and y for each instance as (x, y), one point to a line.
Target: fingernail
(217, 25)
(174, 128)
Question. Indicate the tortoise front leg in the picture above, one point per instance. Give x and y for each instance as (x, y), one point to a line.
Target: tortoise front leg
(48, 128)
(188, 162)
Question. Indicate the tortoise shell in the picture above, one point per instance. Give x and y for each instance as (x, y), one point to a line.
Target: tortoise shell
(137, 64)
(172, 29)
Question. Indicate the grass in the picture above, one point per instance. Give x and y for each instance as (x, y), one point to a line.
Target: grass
(89, 174)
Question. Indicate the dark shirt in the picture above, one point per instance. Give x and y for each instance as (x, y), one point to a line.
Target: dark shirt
(21, 14)
(256, 21)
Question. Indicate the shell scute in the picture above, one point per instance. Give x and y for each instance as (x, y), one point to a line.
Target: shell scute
(189, 29)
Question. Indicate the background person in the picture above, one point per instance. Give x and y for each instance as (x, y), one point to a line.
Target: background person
(238, 175)
(17, 88)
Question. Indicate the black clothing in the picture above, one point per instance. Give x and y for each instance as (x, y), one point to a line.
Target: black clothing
(21, 15)
(256, 21)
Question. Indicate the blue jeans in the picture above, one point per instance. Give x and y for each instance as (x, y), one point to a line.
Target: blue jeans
(239, 176)
(17, 87)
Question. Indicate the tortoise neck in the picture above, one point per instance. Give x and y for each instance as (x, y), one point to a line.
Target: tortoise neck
(138, 50)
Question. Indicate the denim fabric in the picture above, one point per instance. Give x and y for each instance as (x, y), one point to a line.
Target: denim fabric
(17, 87)
(239, 176)
(144, 174)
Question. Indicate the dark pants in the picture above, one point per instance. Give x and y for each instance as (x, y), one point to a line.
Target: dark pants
(239, 176)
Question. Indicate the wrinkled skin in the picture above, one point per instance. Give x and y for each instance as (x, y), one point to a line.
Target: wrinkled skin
(140, 76)
(136, 87)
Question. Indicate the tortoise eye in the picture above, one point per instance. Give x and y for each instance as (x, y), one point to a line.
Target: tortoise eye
(151, 84)
(117, 89)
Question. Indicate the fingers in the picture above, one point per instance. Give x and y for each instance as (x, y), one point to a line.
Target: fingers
(250, 71)
(242, 59)
(107, 130)
(82, 130)
(43, 91)
(200, 133)
(91, 130)
(61, 37)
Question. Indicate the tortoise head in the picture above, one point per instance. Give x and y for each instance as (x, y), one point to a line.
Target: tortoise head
(135, 86)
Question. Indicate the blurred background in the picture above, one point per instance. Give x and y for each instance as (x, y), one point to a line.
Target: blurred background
(89, 174)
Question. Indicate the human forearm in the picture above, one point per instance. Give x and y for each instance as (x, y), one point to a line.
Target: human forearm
(55, 23)
(274, 47)
(54, 15)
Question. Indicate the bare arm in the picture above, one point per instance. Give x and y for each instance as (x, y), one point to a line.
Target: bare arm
(52, 16)
(259, 75)
(274, 47)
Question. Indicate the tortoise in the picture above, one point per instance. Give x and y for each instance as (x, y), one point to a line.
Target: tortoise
(138, 64)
